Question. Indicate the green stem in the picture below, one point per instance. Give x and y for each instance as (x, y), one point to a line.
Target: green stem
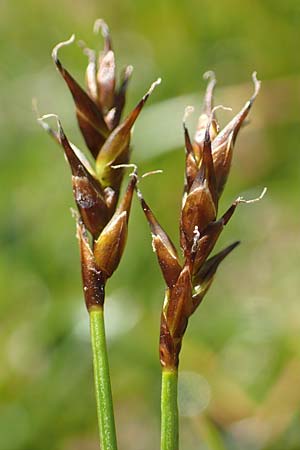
(169, 410)
(105, 412)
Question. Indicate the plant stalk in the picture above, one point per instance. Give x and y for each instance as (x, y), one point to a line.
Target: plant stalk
(169, 410)
(105, 412)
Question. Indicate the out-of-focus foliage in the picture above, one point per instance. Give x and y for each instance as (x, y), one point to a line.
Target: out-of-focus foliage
(241, 357)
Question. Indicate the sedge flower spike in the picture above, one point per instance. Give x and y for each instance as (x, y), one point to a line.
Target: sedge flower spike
(102, 220)
(96, 187)
(207, 166)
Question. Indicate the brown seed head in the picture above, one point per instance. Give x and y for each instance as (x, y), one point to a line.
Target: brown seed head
(207, 166)
(96, 191)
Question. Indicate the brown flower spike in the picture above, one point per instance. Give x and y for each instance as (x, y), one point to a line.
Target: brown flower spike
(207, 165)
(96, 189)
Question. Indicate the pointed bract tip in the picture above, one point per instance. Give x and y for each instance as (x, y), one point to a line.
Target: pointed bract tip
(59, 46)
(231, 247)
(208, 270)
(219, 257)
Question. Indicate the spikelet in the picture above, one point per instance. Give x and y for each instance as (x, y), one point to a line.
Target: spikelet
(96, 189)
(207, 165)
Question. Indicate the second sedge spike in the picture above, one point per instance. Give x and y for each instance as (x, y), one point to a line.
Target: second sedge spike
(208, 161)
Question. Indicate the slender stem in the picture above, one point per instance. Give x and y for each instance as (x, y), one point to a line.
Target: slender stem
(106, 422)
(169, 410)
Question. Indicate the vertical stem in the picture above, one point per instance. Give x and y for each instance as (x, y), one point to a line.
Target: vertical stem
(169, 410)
(105, 413)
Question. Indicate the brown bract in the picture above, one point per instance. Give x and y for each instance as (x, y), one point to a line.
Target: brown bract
(207, 165)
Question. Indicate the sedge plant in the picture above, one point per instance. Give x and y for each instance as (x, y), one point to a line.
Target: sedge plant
(207, 165)
(102, 218)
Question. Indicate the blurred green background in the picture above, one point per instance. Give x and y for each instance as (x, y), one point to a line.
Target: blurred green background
(239, 385)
